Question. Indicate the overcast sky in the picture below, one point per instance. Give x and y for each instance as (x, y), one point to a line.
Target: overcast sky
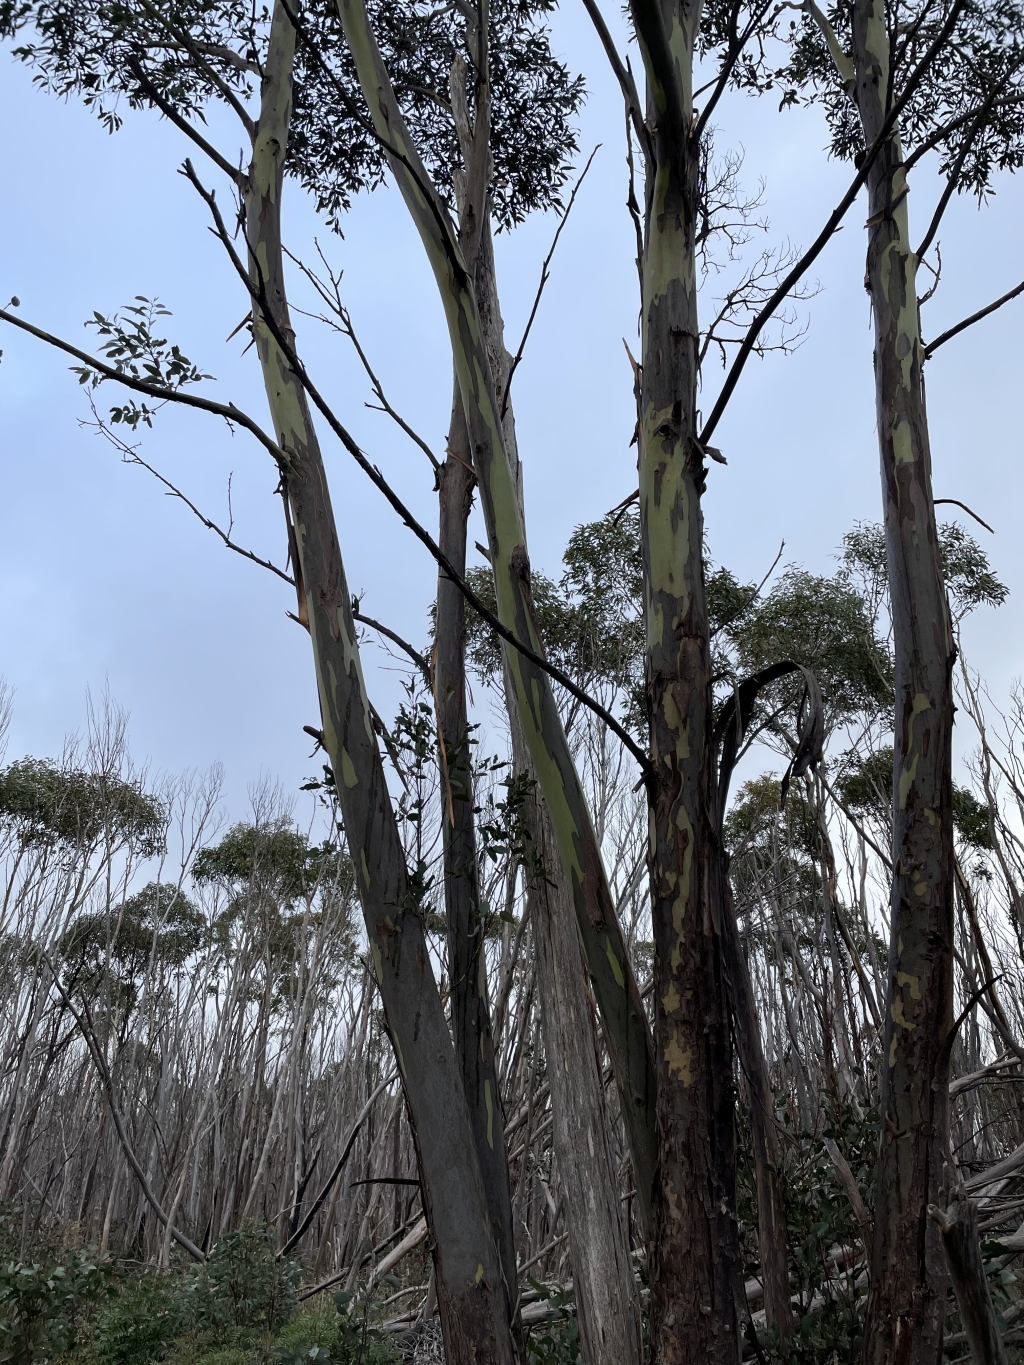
(104, 581)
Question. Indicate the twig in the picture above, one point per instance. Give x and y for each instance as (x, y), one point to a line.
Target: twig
(344, 325)
(389, 634)
(838, 214)
(753, 596)
(377, 478)
(132, 456)
(544, 277)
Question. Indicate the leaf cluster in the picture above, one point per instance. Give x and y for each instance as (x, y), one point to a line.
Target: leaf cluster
(970, 580)
(46, 804)
(131, 348)
(866, 789)
(969, 106)
(196, 52)
(44, 1303)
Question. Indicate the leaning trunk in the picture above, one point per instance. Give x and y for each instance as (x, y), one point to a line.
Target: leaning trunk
(907, 1301)
(604, 1288)
(622, 1013)
(472, 1303)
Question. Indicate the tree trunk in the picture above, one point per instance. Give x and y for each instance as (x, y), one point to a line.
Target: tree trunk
(772, 1236)
(907, 1299)
(606, 1301)
(467, 966)
(622, 1014)
(605, 1290)
(472, 1302)
(696, 1254)
(958, 1227)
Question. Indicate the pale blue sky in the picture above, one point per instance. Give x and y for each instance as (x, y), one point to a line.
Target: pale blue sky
(103, 580)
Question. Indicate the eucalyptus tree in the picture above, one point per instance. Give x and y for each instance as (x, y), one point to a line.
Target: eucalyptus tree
(901, 83)
(178, 59)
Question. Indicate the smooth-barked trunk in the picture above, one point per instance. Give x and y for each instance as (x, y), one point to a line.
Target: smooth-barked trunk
(469, 1275)
(907, 1301)
(622, 1014)
(467, 963)
(604, 1287)
(696, 1260)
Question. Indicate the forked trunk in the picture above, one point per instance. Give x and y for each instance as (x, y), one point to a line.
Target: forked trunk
(615, 988)
(469, 1276)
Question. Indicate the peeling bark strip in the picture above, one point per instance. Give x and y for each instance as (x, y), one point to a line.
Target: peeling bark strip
(469, 1277)
(908, 1292)
(622, 1014)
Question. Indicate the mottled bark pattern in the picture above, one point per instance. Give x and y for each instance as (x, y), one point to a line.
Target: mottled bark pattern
(474, 1316)
(695, 1260)
(908, 1293)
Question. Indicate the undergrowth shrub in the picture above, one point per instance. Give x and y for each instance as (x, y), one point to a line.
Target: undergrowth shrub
(242, 1284)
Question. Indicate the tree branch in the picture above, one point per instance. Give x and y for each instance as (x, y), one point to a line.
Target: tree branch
(379, 481)
(951, 332)
(396, 639)
(544, 276)
(839, 213)
(226, 410)
(634, 109)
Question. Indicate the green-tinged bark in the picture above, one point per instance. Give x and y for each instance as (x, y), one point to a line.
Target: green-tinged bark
(696, 1254)
(907, 1300)
(604, 1286)
(469, 1276)
(467, 965)
(622, 1013)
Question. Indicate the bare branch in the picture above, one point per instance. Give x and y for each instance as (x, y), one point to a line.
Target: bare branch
(544, 276)
(957, 503)
(130, 455)
(389, 634)
(377, 478)
(951, 332)
(835, 219)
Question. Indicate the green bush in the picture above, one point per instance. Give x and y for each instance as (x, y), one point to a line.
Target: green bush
(242, 1284)
(44, 1304)
(556, 1342)
(140, 1322)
